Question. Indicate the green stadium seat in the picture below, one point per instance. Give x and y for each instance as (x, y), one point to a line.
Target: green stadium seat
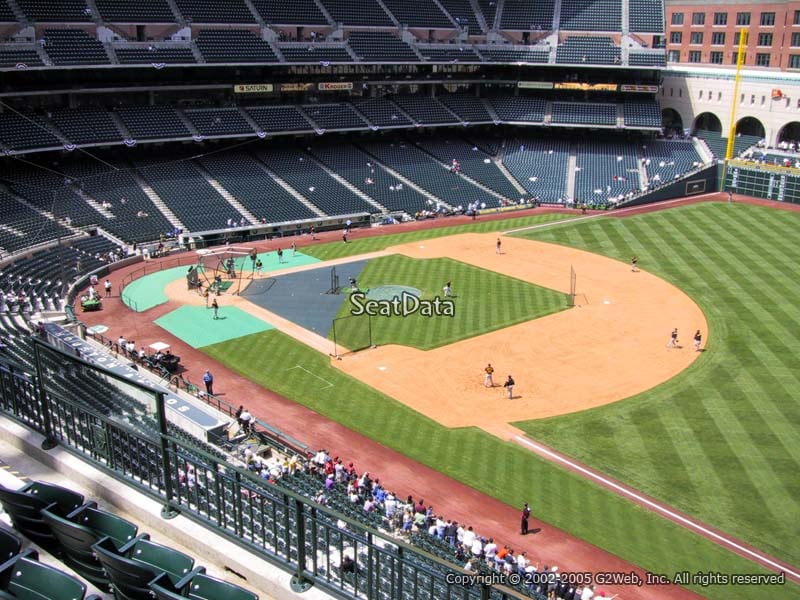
(200, 587)
(25, 506)
(27, 579)
(80, 530)
(132, 567)
(10, 545)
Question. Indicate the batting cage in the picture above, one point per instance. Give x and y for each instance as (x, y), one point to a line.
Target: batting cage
(220, 271)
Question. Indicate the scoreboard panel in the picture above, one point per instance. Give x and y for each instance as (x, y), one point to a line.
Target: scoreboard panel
(770, 182)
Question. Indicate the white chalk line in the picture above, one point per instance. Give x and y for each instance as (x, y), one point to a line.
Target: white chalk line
(689, 523)
(313, 375)
(602, 214)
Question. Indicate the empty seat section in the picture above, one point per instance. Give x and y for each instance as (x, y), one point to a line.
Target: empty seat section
(314, 53)
(74, 47)
(361, 170)
(136, 218)
(462, 13)
(642, 113)
(309, 179)
(245, 178)
(213, 11)
(473, 163)
(373, 46)
(6, 14)
(470, 108)
(334, 116)
(420, 13)
(646, 16)
(86, 126)
(651, 58)
(21, 131)
(364, 13)
(584, 113)
(591, 15)
(428, 173)
(152, 54)
(527, 15)
(424, 109)
(278, 118)
(540, 166)
(587, 49)
(451, 53)
(506, 54)
(27, 578)
(219, 121)
(519, 109)
(182, 187)
(605, 171)
(665, 160)
(24, 227)
(63, 11)
(153, 122)
(135, 11)
(13, 55)
(234, 46)
(297, 12)
(489, 10)
(381, 112)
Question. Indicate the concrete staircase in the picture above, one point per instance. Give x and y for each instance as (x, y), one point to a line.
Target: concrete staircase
(490, 110)
(405, 180)
(391, 16)
(126, 135)
(158, 202)
(254, 12)
(185, 120)
(498, 160)
(348, 185)
(326, 14)
(198, 56)
(482, 23)
(293, 192)
(177, 12)
(644, 180)
(498, 15)
(572, 163)
(93, 203)
(226, 194)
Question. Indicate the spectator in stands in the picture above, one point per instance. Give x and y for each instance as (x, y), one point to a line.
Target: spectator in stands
(246, 421)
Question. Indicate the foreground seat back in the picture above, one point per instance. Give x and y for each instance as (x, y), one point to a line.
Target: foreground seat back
(10, 545)
(27, 579)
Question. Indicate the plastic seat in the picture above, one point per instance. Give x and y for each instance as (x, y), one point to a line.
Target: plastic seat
(80, 530)
(10, 545)
(132, 567)
(27, 579)
(200, 587)
(25, 506)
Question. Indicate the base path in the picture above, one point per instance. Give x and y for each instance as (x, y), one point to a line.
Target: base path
(610, 346)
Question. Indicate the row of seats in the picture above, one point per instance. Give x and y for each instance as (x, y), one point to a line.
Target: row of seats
(77, 47)
(647, 16)
(99, 546)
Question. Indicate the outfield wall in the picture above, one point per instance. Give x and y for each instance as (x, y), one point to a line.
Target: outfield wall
(701, 182)
(771, 182)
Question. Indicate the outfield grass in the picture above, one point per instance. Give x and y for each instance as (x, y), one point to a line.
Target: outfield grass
(561, 498)
(484, 301)
(362, 245)
(722, 440)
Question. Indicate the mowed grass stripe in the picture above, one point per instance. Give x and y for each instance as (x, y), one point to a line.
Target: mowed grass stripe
(734, 460)
(503, 470)
(362, 245)
(484, 301)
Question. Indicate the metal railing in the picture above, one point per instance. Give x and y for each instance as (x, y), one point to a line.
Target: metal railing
(279, 525)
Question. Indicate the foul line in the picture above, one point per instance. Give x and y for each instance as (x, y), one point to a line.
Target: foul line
(655, 506)
(601, 214)
(313, 375)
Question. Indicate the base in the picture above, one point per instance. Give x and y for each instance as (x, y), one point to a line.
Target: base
(48, 444)
(167, 512)
(300, 584)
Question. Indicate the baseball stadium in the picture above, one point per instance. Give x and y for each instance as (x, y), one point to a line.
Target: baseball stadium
(413, 300)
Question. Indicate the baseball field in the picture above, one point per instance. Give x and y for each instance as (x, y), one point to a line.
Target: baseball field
(715, 434)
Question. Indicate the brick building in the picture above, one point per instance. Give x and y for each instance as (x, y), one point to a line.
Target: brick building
(707, 33)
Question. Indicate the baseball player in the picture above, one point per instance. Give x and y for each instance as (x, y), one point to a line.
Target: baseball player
(487, 380)
(673, 339)
(697, 340)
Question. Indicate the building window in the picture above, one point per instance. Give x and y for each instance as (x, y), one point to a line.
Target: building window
(767, 19)
(762, 59)
(674, 56)
(716, 58)
(796, 39)
(700, 95)
(733, 58)
(794, 61)
(765, 39)
(680, 92)
(695, 56)
(718, 38)
(676, 37)
(720, 18)
(700, 18)
(743, 18)
(797, 17)
(677, 18)
(697, 37)
(736, 37)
